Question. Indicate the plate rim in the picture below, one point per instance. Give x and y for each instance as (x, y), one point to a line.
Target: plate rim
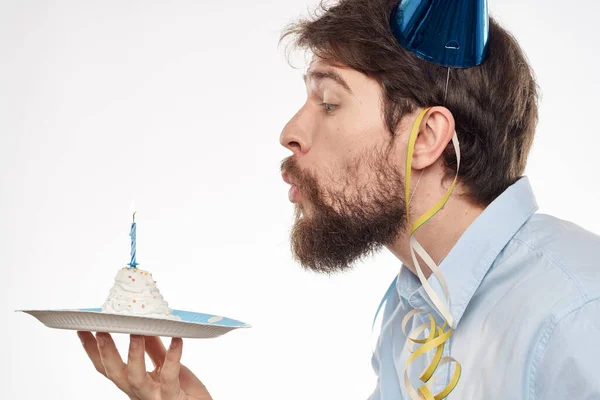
(141, 317)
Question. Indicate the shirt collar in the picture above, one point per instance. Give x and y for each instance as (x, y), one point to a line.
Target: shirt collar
(476, 250)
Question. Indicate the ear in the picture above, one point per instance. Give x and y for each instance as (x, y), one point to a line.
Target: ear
(435, 132)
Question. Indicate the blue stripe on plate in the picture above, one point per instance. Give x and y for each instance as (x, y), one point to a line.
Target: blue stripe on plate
(199, 318)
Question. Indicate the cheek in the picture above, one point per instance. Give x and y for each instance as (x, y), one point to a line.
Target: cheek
(339, 147)
(343, 140)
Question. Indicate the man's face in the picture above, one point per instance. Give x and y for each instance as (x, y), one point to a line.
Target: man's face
(345, 172)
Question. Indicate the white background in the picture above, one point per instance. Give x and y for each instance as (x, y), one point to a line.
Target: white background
(179, 106)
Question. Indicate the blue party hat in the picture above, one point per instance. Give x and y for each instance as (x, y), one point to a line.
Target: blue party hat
(451, 33)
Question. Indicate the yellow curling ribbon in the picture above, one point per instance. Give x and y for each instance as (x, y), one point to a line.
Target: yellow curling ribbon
(438, 336)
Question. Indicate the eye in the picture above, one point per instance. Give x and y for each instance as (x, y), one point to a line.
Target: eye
(328, 107)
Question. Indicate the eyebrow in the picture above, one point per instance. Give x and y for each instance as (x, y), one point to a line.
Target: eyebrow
(328, 74)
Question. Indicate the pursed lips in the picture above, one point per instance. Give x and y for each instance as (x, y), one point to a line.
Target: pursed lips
(294, 191)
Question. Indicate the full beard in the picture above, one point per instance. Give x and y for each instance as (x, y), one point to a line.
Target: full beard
(345, 226)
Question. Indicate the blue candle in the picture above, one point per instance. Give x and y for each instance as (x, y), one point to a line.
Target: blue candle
(132, 233)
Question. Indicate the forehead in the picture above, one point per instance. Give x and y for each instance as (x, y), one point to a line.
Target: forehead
(322, 63)
(358, 84)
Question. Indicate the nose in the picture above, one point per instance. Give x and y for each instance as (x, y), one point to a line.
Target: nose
(295, 135)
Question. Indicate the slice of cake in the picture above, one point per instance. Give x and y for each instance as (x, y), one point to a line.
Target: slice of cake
(135, 293)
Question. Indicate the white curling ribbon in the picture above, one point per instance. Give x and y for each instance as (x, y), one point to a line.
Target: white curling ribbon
(444, 309)
(438, 336)
(415, 246)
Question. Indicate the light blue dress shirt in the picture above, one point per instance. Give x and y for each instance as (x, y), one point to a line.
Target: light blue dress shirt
(524, 292)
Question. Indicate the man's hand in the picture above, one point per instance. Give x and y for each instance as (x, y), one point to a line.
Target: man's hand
(169, 381)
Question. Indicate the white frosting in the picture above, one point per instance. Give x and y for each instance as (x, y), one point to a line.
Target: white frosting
(135, 293)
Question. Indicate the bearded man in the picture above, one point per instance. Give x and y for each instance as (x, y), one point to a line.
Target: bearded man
(523, 289)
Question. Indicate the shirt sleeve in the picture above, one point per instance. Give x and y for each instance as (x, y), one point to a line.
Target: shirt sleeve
(569, 366)
(376, 395)
(383, 354)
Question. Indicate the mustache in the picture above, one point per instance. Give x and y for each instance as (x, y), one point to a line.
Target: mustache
(290, 166)
(303, 180)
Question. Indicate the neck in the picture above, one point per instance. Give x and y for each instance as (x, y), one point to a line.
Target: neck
(440, 233)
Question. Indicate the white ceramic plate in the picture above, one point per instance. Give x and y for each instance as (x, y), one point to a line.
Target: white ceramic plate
(191, 325)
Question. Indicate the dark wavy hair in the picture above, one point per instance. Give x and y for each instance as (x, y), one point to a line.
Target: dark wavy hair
(494, 104)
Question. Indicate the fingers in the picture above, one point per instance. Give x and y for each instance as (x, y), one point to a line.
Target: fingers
(115, 368)
(91, 348)
(140, 381)
(156, 350)
(132, 377)
(169, 374)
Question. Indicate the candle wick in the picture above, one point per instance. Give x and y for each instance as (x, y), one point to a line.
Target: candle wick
(134, 216)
